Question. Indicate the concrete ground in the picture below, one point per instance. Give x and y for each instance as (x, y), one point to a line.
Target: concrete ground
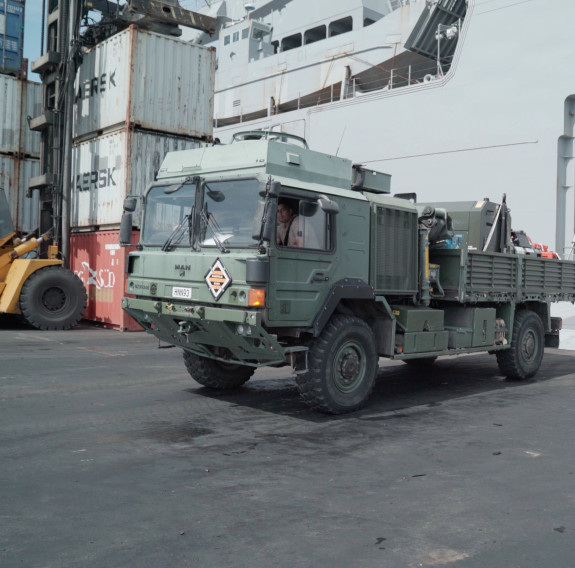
(111, 456)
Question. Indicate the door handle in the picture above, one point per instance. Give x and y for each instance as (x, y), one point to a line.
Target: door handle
(320, 278)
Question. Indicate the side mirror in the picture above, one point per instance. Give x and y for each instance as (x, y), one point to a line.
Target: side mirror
(327, 205)
(258, 220)
(130, 203)
(271, 189)
(264, 220)
(269, 220)
(126, 229)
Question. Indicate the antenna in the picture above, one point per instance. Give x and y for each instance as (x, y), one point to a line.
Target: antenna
(340, 140)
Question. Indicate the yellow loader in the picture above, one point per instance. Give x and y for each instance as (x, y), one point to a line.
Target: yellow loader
(45, 293)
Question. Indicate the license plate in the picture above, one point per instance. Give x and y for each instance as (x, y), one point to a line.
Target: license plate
(179, 292)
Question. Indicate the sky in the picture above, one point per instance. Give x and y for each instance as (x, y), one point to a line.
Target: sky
(33, 33)
(33, 29)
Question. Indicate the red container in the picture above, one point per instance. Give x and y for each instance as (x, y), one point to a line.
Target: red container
(100, 262)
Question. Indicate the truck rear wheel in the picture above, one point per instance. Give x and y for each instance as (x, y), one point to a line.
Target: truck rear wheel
(523, 358)
(215, 374)
(53, 298)
(342, 367)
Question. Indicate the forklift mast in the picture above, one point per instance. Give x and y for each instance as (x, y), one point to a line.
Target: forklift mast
(69, 28)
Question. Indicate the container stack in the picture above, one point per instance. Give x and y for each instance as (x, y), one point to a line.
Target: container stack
(19, 98)
(139, 95)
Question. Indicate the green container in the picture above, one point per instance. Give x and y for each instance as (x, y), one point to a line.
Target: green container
(423, 341)
(413, 318)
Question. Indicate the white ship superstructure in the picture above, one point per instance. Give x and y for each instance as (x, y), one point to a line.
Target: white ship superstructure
(456, 99)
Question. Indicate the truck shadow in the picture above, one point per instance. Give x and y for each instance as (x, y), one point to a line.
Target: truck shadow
(399, 387)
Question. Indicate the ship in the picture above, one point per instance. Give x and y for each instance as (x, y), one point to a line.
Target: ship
(456, 99)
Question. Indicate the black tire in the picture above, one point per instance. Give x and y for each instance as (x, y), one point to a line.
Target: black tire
(523, 358)
(342, 367)
(420, 362)
(215, 374)
(53, 298)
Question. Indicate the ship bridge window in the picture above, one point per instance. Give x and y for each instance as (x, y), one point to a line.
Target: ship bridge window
(236, 36)
(315, 34)
(368, 22)
(291, 42)
(260, 35)
(276, 45)
(245, 33)
(341, 26)
(226, 40)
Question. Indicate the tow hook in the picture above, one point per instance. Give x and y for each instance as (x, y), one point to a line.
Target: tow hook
(185, 328)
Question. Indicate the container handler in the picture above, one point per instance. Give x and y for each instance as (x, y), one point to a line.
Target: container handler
(366, 275)
(44, 293)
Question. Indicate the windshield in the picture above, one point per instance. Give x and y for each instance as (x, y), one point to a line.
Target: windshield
(229, 208)
(6, 225)
(165, 212)
(225, 219)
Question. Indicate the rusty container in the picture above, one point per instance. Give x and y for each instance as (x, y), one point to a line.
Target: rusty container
(19, 99)
(108, 168)
(100, 262)
(142, 79)
(14, 176)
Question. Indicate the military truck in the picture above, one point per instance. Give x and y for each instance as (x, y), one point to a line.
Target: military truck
(366, 275)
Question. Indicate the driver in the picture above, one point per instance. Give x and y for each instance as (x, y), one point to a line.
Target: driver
(288, 232)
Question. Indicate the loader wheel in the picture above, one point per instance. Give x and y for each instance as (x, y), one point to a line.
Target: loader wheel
(523, 358)
(215, 374)
(342, 367)
(53, 298)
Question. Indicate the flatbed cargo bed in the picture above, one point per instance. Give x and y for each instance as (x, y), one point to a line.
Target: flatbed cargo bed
(476, 276)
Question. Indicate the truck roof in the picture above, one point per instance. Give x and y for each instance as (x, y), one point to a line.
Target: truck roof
(288, 163)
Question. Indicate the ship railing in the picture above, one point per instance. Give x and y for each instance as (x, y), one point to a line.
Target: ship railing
(376, 79)
(396, 4)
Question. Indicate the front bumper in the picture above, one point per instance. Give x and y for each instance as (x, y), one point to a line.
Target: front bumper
(232, 335)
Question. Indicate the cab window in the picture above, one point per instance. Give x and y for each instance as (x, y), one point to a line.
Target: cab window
(301, 223)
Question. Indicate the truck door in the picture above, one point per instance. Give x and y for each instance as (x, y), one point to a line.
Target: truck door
(302, 267)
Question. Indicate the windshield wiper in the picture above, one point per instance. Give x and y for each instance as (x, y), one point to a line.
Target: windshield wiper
(211, 223)
(177, 233)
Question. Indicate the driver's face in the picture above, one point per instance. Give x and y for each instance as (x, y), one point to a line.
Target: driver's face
(284, 214)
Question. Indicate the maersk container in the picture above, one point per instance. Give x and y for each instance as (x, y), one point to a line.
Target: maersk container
(108, 168)
(150, 81)
(18, 100)
(14, 176)
(11, 35)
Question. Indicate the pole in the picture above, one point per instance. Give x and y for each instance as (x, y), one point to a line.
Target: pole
(67, 158)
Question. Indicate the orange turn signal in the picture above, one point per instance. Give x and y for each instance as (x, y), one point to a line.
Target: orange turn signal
(257, 297)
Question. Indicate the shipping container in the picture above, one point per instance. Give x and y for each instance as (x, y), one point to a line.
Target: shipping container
(11, 35)
(108, 168)
(14, 176)
(18, 100)
(100, 263)
(143, 79)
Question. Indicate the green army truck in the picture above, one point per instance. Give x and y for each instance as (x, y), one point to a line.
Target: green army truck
(366, 275)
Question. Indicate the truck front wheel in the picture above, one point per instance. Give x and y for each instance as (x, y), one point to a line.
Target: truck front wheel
(523, 358)
(215, 374)
(342, 366)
